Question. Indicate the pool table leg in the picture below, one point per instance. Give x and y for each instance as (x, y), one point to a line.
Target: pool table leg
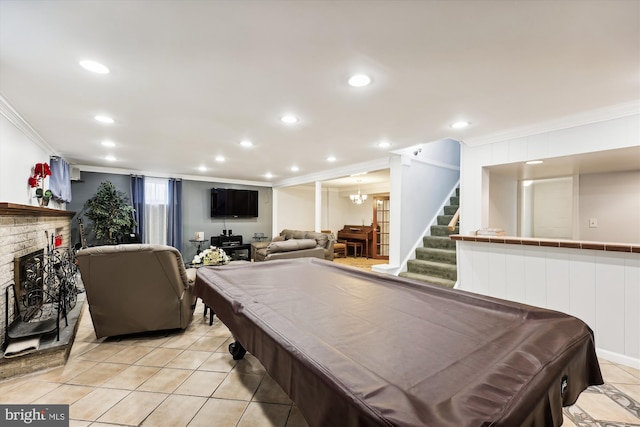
(237, 350)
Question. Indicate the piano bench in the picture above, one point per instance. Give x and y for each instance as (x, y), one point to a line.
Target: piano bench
(355, 246)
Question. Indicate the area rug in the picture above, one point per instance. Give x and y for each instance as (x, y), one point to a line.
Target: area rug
(360, 262)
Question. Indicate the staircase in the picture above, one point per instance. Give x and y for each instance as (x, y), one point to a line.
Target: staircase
(436, 261)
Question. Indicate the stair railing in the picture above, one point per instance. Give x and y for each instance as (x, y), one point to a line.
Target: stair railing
(454, 220)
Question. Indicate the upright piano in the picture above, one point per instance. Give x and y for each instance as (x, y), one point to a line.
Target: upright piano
(363, 233)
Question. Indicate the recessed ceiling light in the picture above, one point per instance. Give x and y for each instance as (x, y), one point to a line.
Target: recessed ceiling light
(94, 66)
(268, 175)
(331, 159)
(104, 119)
(359, 80)
(246, 143)
(460, 125)
(534, 162)
(202, 168)
(289, 118)
(220, 159)
(110, 158)
(108, 143)
(294, 169)
(384, 144)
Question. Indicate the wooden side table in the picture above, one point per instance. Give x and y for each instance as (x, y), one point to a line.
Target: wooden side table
(198, 243)
(340, 247)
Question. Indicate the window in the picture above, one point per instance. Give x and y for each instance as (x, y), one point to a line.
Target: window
(156, 209)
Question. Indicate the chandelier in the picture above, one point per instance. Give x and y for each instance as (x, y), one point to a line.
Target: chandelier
(358, 199)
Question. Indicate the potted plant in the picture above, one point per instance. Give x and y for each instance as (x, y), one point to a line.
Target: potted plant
(111, 213)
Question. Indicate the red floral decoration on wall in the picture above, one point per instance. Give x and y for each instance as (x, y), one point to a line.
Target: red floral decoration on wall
(40, 172)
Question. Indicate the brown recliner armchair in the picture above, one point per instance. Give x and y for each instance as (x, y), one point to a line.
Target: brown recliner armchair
(136, 288)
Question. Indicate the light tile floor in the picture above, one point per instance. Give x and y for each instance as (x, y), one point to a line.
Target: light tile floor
(188, 378)
(177, 378)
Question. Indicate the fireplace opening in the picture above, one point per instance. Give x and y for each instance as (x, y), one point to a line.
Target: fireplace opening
(44, 292)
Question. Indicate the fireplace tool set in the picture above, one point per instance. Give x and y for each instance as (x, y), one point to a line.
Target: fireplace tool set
(44, 292)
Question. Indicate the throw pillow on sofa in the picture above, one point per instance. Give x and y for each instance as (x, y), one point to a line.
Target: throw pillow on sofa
(291, 245)
(293, 234)
(320, 238)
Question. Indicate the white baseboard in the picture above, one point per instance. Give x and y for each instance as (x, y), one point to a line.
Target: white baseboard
(385, 269)
(618, 358)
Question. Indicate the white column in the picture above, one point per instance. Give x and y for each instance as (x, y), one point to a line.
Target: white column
(274, 212)
(318, 214)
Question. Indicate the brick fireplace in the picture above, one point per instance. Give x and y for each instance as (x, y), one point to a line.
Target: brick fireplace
(25, 229)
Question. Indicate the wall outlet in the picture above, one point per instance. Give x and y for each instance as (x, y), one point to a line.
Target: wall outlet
(593, 222)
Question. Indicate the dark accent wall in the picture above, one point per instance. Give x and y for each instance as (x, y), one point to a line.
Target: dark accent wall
(196, 210)
(85, 189)
(196, 215)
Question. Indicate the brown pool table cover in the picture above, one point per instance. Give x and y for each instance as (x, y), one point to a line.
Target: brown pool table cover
(353, 348)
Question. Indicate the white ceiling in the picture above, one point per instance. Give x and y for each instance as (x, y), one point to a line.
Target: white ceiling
(190, 79)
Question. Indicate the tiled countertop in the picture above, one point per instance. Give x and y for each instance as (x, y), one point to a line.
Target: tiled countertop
(574, 244)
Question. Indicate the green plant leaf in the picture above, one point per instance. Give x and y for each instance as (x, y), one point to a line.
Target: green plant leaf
(110, 212)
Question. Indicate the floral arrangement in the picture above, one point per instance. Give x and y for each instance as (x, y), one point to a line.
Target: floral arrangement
(40, 172)
(211, 256)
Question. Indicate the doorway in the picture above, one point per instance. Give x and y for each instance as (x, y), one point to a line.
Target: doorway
(546, 208)
(381, 206)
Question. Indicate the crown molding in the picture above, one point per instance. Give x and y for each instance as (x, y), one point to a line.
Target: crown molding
(579, 119)
(23, 126)
(121, 171)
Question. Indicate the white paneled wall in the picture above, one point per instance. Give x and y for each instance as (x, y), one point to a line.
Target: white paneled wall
(603, 135)
(600, 287)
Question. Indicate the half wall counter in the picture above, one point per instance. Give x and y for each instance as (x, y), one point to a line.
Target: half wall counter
(598, 282)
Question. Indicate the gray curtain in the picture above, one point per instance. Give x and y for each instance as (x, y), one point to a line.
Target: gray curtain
(174, 220)
(137, 199)
(60, 179)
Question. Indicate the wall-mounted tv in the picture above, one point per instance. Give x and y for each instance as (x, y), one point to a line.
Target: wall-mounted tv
(230, 203)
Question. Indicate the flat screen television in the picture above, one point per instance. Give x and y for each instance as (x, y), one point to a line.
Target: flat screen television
(230, 203)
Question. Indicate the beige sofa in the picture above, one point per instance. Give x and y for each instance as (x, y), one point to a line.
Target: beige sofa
(294, 244)
(136, 288)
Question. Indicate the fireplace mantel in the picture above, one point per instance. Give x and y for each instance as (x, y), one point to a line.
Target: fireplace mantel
(15, 209)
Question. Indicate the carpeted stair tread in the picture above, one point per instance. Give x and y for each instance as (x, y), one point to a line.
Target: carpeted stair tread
(435, 254)
(450, 209)
(430, 268)
(439, 242)
(444, 219)
(435, 262)
(443, 230)
(429, 279)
